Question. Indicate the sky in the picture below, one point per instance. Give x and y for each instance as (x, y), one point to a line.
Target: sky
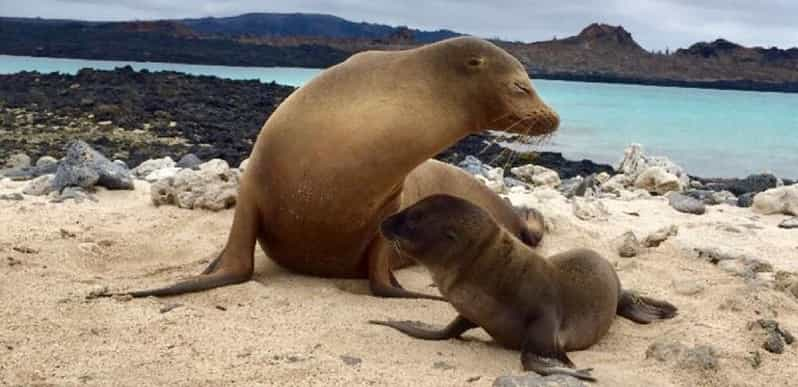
(655, 24)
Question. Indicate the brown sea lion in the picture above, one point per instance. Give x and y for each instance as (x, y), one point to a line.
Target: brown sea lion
(352, 146)
(544, 307)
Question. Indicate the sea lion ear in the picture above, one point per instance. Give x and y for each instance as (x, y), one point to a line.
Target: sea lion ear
(475, 62)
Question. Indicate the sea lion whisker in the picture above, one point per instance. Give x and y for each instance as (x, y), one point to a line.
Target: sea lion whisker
(499, 156)
(507, 129)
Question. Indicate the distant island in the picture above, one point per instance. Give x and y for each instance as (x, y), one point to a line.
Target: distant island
(599, 53)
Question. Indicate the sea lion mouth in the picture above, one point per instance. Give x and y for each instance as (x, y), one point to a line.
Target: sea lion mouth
(539, 123)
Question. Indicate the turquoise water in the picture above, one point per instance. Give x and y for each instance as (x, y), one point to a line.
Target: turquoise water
(717, 133)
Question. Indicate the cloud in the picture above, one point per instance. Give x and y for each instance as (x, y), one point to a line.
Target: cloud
(655, 24)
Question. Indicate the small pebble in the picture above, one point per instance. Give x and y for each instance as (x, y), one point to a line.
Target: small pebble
(97, 292)
(351, 360)
(774, 343)
(442, 365)
(790, 223)
(169, 307)
(16, 196)
(755, 359)
(630, 246)
(688, 287)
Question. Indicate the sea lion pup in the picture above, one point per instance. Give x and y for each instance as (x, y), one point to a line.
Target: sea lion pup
(351, 147)
(544, 307)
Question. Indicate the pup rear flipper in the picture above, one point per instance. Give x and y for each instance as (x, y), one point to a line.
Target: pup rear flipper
(644, 310)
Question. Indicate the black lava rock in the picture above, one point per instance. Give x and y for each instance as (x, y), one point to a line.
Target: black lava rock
(484, 147)
(750, 184)
(686, 204)
(746, 200)
(189, 161)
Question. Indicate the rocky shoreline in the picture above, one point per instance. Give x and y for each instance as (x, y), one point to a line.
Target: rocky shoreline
(134, 116)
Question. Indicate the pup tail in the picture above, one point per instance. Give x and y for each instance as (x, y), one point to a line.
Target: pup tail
(644, 310)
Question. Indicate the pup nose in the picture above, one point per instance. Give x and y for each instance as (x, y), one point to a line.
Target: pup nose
(390, 226)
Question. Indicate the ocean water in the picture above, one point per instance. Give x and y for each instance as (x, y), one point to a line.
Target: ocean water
(711, 133)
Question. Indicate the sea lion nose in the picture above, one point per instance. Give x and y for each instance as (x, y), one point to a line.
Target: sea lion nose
(554, 119)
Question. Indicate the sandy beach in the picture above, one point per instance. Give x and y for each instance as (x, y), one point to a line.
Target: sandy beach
(285, 329)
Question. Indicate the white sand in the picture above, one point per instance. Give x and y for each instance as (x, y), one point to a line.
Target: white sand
(284, 329)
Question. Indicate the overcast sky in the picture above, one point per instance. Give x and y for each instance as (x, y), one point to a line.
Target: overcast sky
(655, 24)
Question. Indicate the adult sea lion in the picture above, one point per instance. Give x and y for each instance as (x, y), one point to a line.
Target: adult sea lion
(544, 307)
(352, 146)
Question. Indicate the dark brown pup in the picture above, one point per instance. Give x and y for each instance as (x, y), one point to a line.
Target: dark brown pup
(544, 307)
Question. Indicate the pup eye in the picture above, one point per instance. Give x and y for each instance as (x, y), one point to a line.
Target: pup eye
(451, 235)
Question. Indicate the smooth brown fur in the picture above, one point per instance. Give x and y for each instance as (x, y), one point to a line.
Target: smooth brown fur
(352, 146)
(544, 307)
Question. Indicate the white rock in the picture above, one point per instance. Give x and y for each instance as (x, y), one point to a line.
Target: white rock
(603, 177)
(518, 189)
(6, 182)
(45, 161)
(18, 161)
(472, 165)
(781, 200)
(656, 238)
(537, 175)
(206, 189)
(636, 162)
(494, 179)
(544, 194)
(658, 180)
(150, 166)
(635, 194)
(616, 184)
(215, 167)
(160, 174)
(587, 209)
(39, 186)
(243, 165)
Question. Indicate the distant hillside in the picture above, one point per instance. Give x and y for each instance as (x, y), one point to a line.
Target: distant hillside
(599, 53)
(307, 25)
(605, 53)
(158, 41)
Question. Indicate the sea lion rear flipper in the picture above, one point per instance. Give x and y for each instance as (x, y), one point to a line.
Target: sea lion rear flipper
(381, 279)
(644, 310)
(453, 330)
(234, 264)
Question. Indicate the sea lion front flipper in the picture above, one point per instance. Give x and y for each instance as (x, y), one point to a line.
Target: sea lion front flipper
(453, 330)
(542, 353)
(644, 310)
(548, 366)
(381, 279)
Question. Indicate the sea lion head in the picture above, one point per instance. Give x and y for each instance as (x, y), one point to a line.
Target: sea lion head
(500, 84)
(439, 227)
